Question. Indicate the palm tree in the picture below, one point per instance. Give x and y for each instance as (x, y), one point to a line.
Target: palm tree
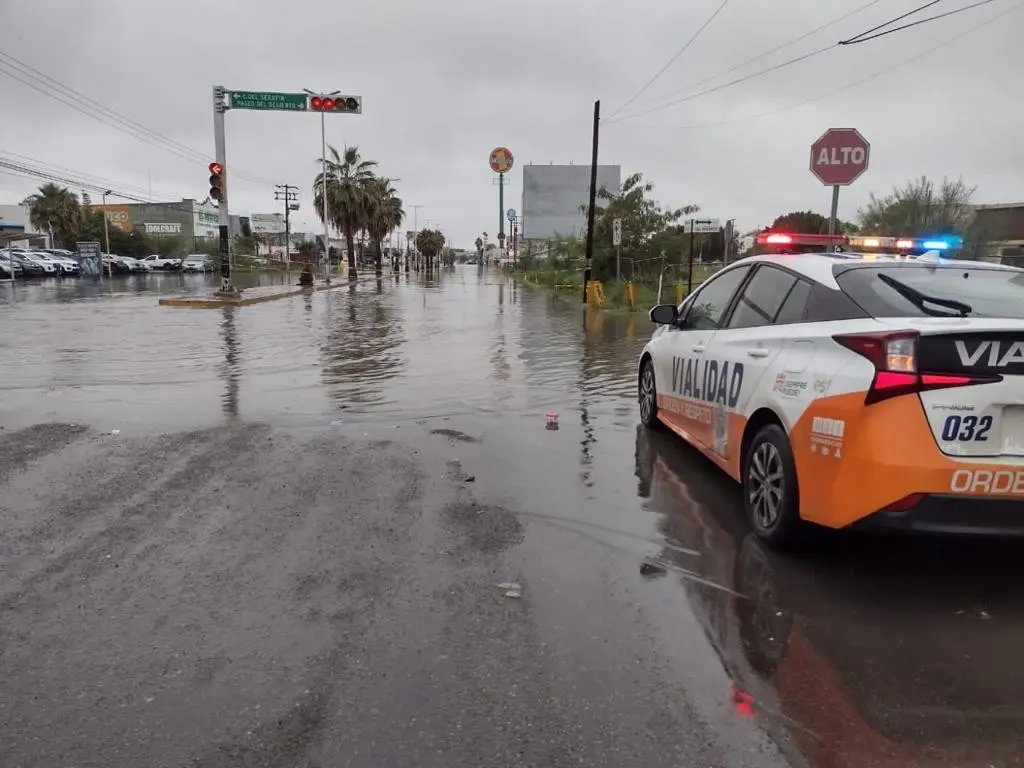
(58, 207)
(348, 177)
(383, 215)
(429, 242)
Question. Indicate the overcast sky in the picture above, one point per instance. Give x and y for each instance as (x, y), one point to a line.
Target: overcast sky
(445, 81)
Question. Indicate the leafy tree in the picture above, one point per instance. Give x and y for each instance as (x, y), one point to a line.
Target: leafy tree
(429, 242)
(648, 228)
(307, 249)
(348, 178)
(245, 246)
(920, 209)
(806, 222)
(58, 207)
(384, 214)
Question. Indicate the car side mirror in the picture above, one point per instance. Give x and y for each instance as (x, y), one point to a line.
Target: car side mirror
(665, 314)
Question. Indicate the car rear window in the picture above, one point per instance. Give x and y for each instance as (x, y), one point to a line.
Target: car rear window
(988, 292)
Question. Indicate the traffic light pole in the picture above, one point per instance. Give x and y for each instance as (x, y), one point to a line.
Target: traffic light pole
(223, 216)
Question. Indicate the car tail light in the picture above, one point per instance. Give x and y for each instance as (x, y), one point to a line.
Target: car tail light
(894, 356)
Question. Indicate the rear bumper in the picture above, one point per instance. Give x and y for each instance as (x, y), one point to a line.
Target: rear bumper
(953, 514)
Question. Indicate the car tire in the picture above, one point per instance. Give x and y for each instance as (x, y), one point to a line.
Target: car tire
(770, 491)
(647, 396)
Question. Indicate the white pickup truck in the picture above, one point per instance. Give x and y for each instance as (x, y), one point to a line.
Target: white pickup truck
(159, 262)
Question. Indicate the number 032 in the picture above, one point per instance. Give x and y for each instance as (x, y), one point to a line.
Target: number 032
(966, 428)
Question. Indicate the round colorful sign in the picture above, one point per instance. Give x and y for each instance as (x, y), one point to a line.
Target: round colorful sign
(501, 160)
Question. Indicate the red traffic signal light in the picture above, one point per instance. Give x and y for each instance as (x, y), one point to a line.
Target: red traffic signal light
(335, 104)
(216, 181)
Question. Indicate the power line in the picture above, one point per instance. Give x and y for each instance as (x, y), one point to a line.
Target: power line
(39, 81)
(63, 169)
(901, 17)
(737, 81)
(36, 170)
(862, 39)
(671, 61)
(886, 70)
(774, 68)
(779, 47)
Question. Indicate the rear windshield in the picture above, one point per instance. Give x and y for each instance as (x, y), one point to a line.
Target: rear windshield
(958, 290)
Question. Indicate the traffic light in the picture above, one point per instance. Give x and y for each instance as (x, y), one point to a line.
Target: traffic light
(216, 182)
(352, 105)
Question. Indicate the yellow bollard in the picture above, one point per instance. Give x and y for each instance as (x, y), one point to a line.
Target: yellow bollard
(631, 296)
(595, 294)
(679, 293)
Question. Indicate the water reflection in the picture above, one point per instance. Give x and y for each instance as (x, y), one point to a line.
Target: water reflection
(868, 651)
(361, 347)
(156, 283)
(229, 368)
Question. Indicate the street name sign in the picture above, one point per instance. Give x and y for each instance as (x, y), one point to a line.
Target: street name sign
(702, 226)
(840, 156)
(287, 102)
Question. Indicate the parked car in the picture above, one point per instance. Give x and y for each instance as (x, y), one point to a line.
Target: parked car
(9, 267)
(65, 261)
(113, 264)
(197, 262)
(51, 267)
(155, 261)
(32, 268)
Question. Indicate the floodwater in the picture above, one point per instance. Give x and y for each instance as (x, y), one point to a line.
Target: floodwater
(865, 652)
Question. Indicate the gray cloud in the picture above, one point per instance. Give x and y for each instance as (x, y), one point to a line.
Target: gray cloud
(444, 82)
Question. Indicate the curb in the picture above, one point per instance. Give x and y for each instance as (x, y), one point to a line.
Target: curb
(215, 302)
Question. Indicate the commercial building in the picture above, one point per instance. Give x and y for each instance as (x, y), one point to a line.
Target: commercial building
(189, 220)
(555, 198)
(1002, 227)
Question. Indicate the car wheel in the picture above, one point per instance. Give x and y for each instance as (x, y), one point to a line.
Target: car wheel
(770, 492)
(648, 396)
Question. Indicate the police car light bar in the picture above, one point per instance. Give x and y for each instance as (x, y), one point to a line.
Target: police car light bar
(791, 238)
(942, 243)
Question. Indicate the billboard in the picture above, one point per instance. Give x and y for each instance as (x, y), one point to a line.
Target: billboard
(555, 198)
(119, 216)
(266, 223)
(205, 219)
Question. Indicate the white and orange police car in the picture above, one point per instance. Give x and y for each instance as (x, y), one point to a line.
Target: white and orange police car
(851, 389)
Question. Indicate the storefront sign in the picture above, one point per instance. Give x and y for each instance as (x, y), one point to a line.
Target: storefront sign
(163, 228)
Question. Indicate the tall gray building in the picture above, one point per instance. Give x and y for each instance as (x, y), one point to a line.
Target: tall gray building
(555, 198)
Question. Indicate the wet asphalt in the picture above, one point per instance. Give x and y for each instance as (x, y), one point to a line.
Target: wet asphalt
(275, 535)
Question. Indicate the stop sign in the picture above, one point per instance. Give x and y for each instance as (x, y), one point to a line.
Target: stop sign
(840, 156)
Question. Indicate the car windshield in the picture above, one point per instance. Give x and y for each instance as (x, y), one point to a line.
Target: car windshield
(947, 290)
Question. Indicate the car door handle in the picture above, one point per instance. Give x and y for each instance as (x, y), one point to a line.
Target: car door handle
(699, 348)
(758, 352)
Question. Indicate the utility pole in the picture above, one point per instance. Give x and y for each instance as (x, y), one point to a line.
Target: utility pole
(106, 236)
(589, 268)
(289, 193)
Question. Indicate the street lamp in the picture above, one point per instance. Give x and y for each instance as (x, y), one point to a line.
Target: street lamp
(106, 236)
(323, 169)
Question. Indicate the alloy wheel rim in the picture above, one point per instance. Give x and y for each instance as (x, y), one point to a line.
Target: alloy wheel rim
(646, 394)
(765, 485)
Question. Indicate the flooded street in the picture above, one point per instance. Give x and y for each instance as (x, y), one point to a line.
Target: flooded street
(274, 536)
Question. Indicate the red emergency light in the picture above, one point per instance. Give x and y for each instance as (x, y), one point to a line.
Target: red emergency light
(794, 238)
